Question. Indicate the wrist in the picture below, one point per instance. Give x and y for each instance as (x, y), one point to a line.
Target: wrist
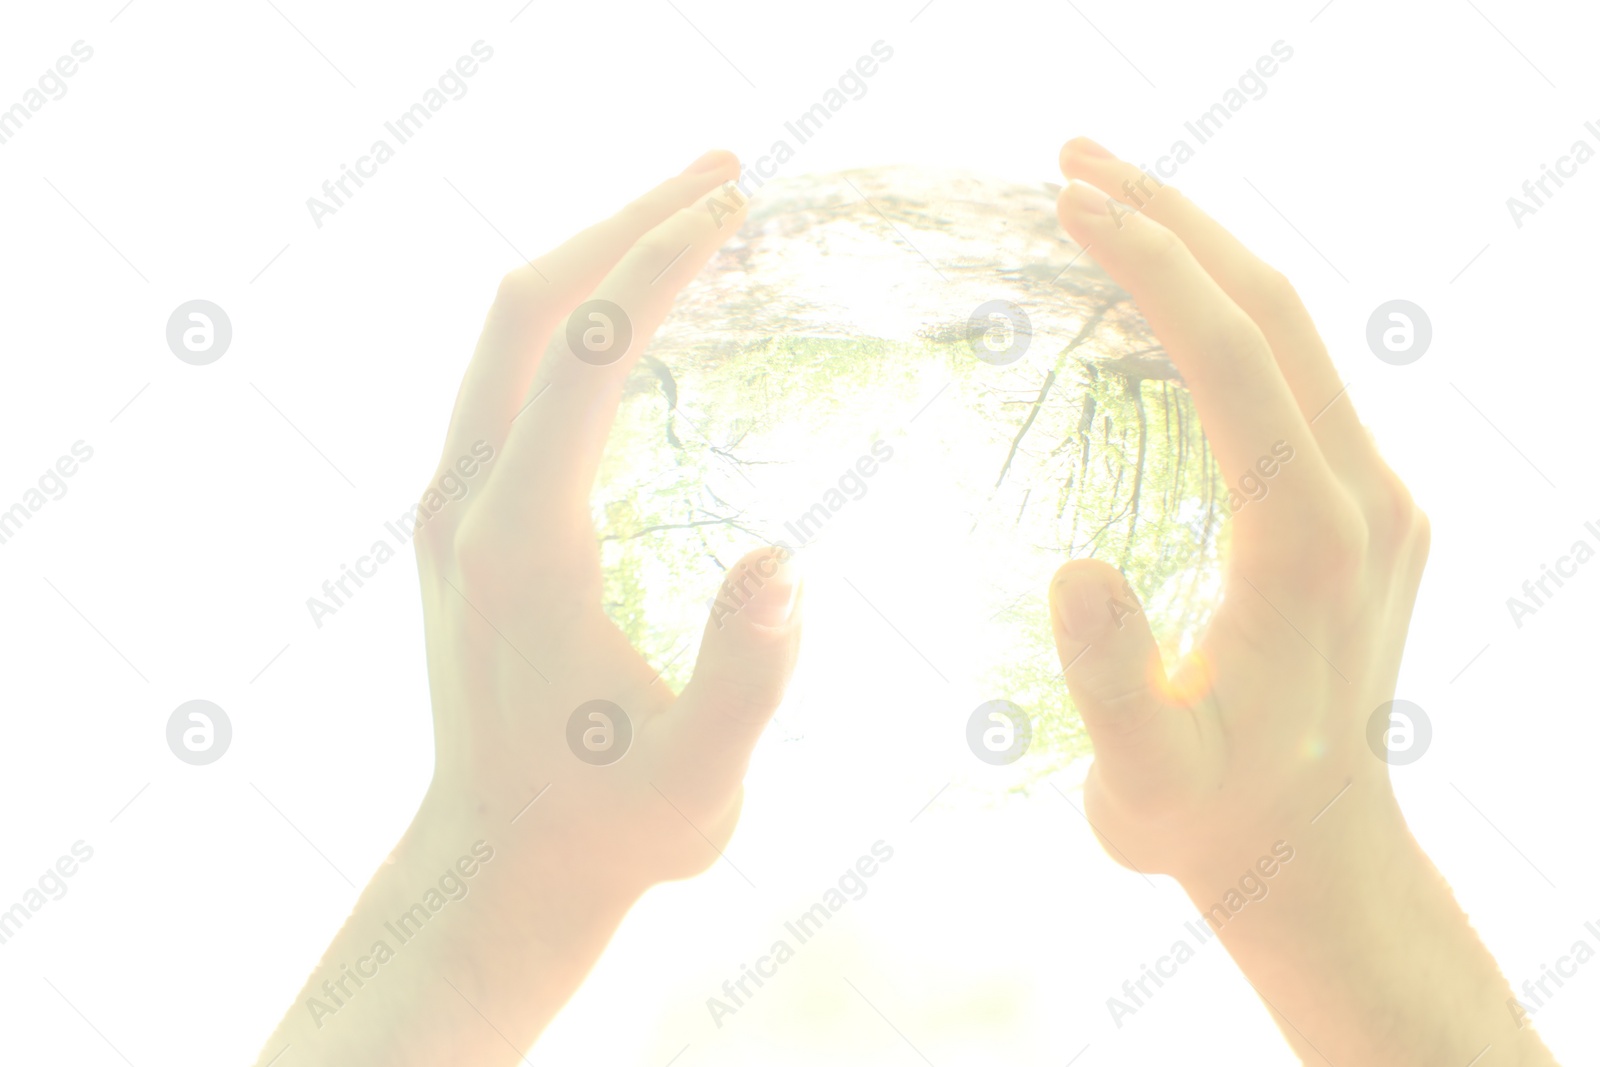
(530, 874)
(1318, 870)
(1357, 945)
(468, 900)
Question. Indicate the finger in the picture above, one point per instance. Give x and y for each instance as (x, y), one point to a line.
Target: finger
(554, 448)
(1244, 403)
(1260, 291)
(1147, 748)
(536, 297)
(746, 659)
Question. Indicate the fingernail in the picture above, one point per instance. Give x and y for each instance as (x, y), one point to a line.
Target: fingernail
(1080, 608)
(1086, 199)
(708, 162)
(773, 603)
(1082, 146)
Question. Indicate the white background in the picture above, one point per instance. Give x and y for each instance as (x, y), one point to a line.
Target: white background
(181, 158)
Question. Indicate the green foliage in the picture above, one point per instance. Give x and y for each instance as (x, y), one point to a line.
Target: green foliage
(1072, 456)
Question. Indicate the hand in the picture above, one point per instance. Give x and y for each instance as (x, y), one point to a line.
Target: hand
(1208, 770)
(560, 834)
(517, 635)
(1199, 771)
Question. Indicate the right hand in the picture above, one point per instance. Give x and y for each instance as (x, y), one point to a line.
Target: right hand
(1265, 722)
(1255, 747)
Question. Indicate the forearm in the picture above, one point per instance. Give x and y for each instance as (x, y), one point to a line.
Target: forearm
(1362, 953)
(455, 952)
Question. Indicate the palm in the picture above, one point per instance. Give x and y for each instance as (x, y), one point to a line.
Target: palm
(1266, 724)
(544, 711)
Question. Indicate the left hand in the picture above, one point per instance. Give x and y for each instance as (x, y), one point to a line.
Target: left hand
(518, 642)
(518, 638)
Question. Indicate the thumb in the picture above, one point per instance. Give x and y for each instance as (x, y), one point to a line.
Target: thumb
(1145, 746)
(746, 658)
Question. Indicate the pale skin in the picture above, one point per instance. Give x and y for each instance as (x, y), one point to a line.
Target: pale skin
(1359, 949)
(1359, 943)
(517, 639)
